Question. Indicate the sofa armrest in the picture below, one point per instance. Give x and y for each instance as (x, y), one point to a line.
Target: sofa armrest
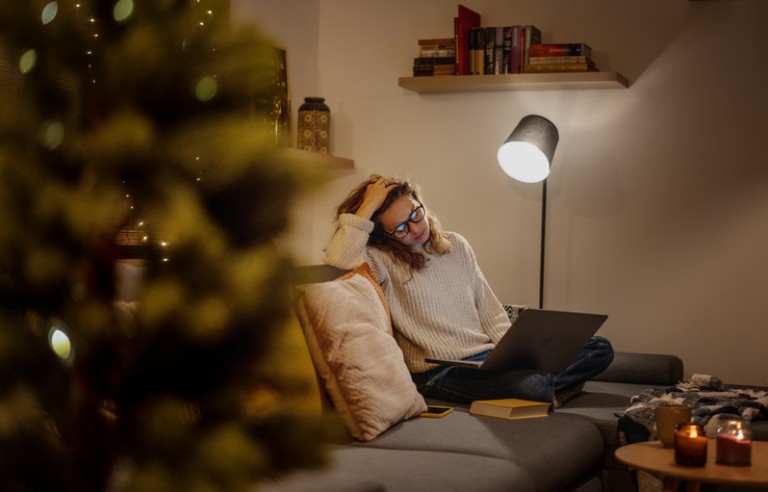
(310, 274)
(640, 368)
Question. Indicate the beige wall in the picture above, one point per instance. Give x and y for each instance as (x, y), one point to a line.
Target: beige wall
(658, 209)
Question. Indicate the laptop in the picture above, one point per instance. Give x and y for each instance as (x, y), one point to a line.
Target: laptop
(539, 339)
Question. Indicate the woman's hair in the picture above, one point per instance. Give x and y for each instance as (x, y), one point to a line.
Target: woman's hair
(437, 242)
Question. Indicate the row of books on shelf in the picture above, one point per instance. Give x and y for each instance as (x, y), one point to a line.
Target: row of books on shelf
(564, 57)
(478, 50)
(540, 58)
(500, 50)
(436, 57)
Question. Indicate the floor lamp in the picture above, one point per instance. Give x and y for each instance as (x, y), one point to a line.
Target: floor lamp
(527, 156)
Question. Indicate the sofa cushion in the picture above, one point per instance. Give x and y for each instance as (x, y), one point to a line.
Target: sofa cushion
(346, 324)
(599, 403)
(534, 445)
(373, 470)
(638, 368)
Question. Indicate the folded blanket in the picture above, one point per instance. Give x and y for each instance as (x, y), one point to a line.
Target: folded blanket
(708, 398)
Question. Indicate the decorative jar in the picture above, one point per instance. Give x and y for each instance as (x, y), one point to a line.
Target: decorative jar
(690, 445)
(734, 441)
(314, 132)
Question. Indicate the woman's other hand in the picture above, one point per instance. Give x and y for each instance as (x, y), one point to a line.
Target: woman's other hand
(375, 194)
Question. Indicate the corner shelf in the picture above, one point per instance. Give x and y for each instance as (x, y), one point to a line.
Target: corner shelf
(317, 159)
(514, 82)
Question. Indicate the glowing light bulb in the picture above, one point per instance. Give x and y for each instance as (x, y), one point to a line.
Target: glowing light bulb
(123, 10)
(60, 343)
(27, 61)
(53, 134)
(49, 12)
(523, 161)
(206, 89)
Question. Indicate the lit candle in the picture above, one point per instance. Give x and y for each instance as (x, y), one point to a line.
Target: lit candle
(690, 445)
(734, 443)
(732, 450)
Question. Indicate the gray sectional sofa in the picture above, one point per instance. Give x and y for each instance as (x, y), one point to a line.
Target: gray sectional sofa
(572, 449)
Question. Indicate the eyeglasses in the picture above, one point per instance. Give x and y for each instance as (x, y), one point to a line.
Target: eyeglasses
(405, 228)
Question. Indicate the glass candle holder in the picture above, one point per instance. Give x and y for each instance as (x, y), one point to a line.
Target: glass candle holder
(690, 445)
(734, 442)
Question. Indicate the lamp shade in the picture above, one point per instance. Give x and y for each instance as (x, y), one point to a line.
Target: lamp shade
(527, 153)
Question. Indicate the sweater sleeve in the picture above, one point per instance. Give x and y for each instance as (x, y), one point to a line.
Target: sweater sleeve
(347, 248)
(493, 316)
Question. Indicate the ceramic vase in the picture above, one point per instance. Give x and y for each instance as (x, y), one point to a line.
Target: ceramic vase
(314, 132)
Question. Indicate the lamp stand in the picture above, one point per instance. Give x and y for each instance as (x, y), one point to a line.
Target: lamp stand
(527, 156)
(543, 242)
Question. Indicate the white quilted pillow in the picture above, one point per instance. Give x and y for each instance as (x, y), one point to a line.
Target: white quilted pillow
(347, 327)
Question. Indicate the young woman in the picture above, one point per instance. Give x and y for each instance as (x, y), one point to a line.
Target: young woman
(440, 302)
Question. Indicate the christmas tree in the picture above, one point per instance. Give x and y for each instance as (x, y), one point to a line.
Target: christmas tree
(138, 116)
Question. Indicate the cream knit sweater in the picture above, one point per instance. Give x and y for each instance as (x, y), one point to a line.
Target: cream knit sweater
(445, 310)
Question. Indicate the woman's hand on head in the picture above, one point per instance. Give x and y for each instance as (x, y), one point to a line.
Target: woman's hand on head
(375, 194)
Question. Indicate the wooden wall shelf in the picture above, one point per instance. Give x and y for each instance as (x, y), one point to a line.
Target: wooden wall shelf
(321, 160)
(515, 82)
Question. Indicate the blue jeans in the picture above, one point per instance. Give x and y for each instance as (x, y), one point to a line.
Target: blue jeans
(461, 385)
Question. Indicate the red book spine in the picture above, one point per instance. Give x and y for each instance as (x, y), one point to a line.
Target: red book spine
(565, 49)
(467, 20)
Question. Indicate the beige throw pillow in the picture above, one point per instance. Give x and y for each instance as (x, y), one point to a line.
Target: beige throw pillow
(347, 328)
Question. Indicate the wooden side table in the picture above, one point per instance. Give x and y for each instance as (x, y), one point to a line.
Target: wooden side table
(655, 458)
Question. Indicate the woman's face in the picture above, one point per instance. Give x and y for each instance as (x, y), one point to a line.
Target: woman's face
(400, 216)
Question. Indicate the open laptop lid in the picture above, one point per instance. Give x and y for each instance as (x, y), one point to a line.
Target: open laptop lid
(539, 339)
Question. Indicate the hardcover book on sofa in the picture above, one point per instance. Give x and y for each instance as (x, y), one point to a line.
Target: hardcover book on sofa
(510, 408)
